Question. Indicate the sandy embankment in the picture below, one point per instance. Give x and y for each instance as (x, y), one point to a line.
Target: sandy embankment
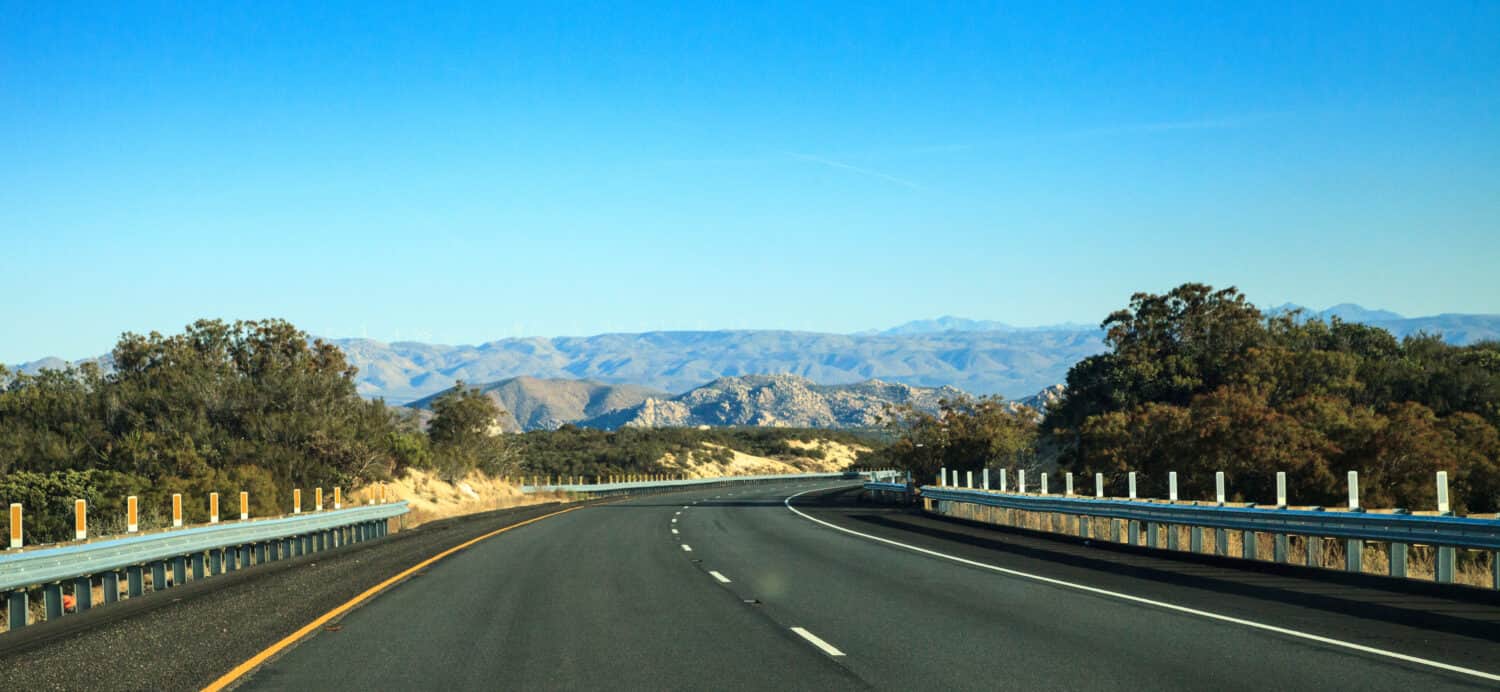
(430, 497)
(837, 456)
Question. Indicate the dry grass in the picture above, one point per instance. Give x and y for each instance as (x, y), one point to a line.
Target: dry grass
(1473, 567)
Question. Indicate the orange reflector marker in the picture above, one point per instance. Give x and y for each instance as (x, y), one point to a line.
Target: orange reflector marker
(81, 519)
(213, 508)
(176, 509)
(244, 505)
(132, 514)
(338, 498)
(15, 525)
(317, 499)
(296, 501)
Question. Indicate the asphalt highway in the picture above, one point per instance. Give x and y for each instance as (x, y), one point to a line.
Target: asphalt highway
(742, 588)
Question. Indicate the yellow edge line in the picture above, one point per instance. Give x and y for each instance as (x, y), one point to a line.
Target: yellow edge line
(249, 665)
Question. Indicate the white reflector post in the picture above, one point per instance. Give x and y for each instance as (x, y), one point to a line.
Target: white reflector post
(1442, 492)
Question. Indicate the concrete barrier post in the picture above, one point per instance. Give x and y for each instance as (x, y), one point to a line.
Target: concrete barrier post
(1172, 486)
(1131, 477)
(176, 510)
(244, 505)
(132, 515)
(1099, 485)
(1219, 493)
(80, 520)
(213, 508)
(1281, 489)
(1068, 483)
(15, 526)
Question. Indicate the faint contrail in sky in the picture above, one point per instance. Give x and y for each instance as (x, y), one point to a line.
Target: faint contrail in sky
(856, 169)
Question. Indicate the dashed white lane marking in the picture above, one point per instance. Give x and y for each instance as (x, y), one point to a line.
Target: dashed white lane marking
(815, 641)
(722, 579)
(674, 532)
(687, 548)
(1146, 601)
(674, 520)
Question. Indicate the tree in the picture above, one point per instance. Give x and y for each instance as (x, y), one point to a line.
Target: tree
(465, 434)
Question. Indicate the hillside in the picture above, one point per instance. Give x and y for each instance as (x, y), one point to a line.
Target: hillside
(530, 403)
(784, 401)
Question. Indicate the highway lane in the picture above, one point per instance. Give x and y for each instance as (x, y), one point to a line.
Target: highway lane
(741, 592)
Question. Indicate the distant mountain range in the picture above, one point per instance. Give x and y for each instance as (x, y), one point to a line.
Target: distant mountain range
(750, 400)
(978, 356)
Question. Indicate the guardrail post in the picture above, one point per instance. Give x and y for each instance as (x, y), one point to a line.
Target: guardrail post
(986, 478)
(52, 604)
(83, 593)
(1133, 532)
(213, 508)
(1172, 539)
(1131, 477)
(1442, 492)
(260, 553)
(18, 605)
(1099, 485)
(179, 570)
(1281, 489)
(1044, 482)
(1354, 548)
(199, 570)
(1068, 483)
(110, 583)
(1446, 564)
(1398, 559)
(1314, 551)
(176, 510)
(1495, 570)
(1221, 542)
(215, 562)
(1172, 486)
(1114, 531)
(244, 551)
(1085, 525)
(1195, 542)
(1150, 534)
(1248, 545)
(80, 520)
(1279, 553)
(132, 515)
(135, 581)
(15, 526)
(159, 576)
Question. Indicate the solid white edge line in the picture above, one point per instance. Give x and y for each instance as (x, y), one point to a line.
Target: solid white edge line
(815, 641)
(687, 548)
(1146, 601)
(722, 579)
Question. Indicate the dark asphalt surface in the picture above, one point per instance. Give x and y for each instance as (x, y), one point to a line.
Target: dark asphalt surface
(607, 597)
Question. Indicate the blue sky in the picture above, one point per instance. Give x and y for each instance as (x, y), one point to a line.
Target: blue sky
(474, 172)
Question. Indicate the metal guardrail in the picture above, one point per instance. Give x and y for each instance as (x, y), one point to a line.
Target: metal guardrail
(1143, 518)
(684, 483)
(228, 546)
